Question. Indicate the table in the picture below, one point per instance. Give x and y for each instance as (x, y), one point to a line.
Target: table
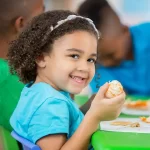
(106, 140)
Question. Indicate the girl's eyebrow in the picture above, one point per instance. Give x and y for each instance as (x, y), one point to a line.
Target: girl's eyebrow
(81, 51)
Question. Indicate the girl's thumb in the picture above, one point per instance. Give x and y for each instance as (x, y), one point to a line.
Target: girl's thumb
(102, 91)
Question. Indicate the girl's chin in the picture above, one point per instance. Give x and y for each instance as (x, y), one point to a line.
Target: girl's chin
(76, 91)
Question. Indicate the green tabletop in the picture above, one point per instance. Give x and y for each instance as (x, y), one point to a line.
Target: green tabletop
(106, 140)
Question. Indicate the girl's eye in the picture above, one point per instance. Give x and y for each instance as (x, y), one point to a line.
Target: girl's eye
(92, 60)
(75, 56)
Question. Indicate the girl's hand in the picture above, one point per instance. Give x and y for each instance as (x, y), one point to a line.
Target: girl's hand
(103, 109)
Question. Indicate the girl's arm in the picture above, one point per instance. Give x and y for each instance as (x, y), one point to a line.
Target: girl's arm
(101, 109)
(87, 105)
(79, 141)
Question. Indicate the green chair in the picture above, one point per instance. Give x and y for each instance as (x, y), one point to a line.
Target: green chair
(7, 142)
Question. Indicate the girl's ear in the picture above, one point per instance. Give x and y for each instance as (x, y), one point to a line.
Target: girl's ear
(41, 62)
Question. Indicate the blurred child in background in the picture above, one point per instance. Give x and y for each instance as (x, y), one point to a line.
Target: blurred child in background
(123, 51)
(14, 15)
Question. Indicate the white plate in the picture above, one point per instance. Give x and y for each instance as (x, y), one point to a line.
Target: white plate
(144, 127)
(137, 112)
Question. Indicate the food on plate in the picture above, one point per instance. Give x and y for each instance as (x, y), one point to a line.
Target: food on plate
(121, 123)
(126, 123)
(144, 119)
(139, 104)
(115, 88)
(135, 124)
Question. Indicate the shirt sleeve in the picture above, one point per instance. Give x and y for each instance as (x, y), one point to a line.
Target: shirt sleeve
(52, 117)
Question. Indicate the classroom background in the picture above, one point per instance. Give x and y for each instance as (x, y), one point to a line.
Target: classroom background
(130, 11)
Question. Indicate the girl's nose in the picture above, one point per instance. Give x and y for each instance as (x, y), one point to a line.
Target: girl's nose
(83, 66)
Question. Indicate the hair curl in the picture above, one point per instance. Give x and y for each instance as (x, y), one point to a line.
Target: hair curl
(37, 39)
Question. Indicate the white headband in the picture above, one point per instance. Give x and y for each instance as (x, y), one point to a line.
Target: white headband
(71, 17)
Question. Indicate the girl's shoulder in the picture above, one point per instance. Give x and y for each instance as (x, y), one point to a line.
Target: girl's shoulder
(41, 92)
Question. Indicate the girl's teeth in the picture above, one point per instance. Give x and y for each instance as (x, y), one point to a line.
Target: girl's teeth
(78, 79)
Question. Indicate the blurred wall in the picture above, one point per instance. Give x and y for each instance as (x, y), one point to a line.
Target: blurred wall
(62, 4)
(130, 11)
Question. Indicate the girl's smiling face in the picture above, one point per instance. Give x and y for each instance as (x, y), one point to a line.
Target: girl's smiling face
(70, 66)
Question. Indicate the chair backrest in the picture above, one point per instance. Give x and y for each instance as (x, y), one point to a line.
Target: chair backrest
(27, 145)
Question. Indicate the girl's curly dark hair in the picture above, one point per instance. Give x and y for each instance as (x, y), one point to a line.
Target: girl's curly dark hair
(37, 39)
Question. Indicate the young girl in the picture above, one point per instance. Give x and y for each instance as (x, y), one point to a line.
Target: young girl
(56, 57)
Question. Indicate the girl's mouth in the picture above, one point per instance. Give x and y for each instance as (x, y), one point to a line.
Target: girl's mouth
(78, 79)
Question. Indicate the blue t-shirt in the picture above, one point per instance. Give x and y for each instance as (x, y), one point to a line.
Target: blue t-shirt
(133, 74)
(42, 110)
